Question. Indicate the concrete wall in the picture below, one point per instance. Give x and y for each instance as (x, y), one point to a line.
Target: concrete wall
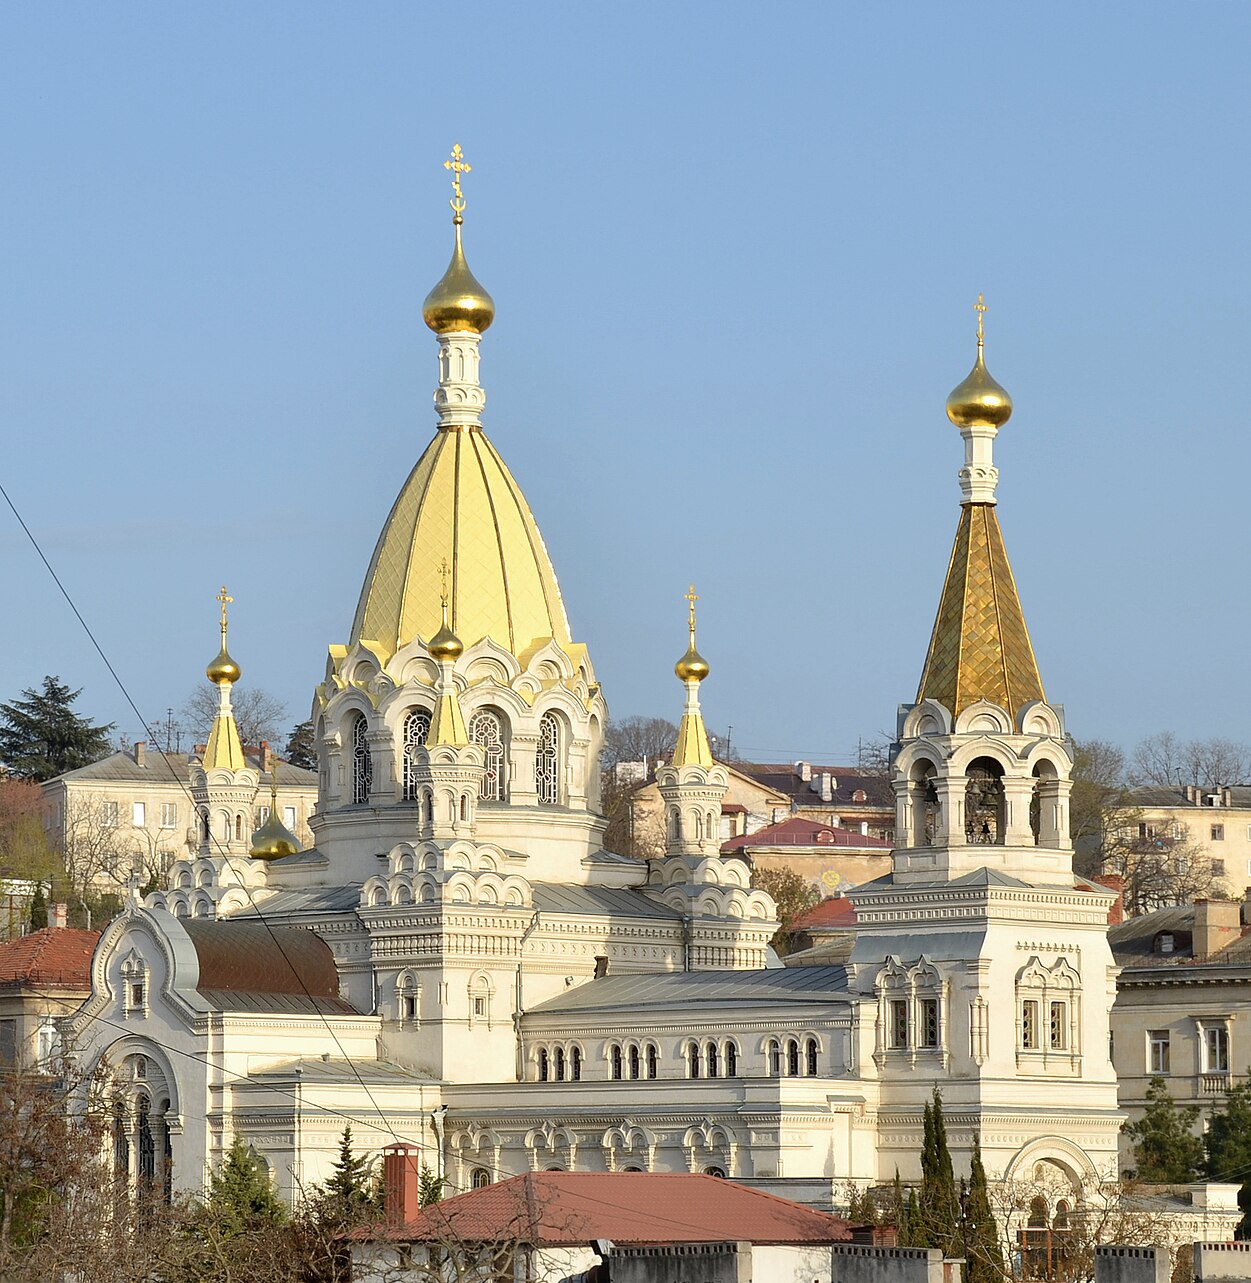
(853, 1263)
(1115, 1264)
(691, 1263)
(1215, 1262)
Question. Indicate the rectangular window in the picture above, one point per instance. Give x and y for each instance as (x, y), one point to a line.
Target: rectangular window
(1218, 868)
(138, 814)
(479, 1006)
(262, 815)
(169, 815)
(929, 1022)
(1218, 833)
(1029, 1025)
(288, 817)
(898, 1013)
(8, 1042)
(1217, 1046)
(1158, 1051)
(109, 815)
(1058, 1030)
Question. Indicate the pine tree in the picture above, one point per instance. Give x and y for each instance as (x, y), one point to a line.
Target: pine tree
(980, 1232)
(429, 1187)
(1166, 1150)
(349, 1191)
(301, 747)
(38, 909)
(41, 736)
(940, 1203)
(241, 1198)
(1228, 1145)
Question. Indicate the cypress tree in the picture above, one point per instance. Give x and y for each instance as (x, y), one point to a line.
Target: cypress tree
(38, 918)
(349, 1190)
(982, 1248)
(940, 1202)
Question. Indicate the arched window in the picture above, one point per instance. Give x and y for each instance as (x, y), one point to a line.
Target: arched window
(693, 1056)
(416, 728)
(547, 761)
(792, 1058)
(774, 1057)
(731, 1060)
(575, 1065)
(715, 1171)
(480, 1179)
(652, 1057)
(121, 1145)
(362, 765)
(543, 1065)
(204, 824)
(634, 1062)
(560, 1064)
(486, 727)
(614, 1056)
(712, 1060)
(238, 828)
(147, 1145)
(812, 1057)
(983, 803)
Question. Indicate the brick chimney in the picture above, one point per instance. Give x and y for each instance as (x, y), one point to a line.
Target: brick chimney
(58, 916)
(804, 771)
(1114, 882)
(267, 756)
(141, 753)
(1217, 924)
(401, 1182)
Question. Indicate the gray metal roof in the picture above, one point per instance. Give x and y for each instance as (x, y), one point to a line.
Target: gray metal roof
(296, 1004)
(557, 897)
(318, 1069)
(317, 900)
(702, 988)
(175, 768)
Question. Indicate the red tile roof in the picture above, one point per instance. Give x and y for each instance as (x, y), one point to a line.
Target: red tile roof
(553, 1208)
(54, 956)
(835, 911)
(797, 831)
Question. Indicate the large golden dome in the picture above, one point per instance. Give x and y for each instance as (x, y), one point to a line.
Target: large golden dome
(461, 504)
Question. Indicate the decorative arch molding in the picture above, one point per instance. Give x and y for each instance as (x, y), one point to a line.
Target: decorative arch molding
(929, 717)
(548, 1143)
(710, 1144)
(628, 1141)
(984, 718)
(1060, 1152)
(1039, 718)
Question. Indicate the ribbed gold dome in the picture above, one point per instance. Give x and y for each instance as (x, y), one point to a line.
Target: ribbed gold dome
(458, 301)
(979, 402)
(445, 645)
(692, 667)
(223, 669)
(273, 840)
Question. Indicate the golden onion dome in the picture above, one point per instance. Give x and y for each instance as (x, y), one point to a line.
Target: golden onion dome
(692, 667)
(273, 840)
(979, 402)
(445, 645)
(223, 669)
(458, 301)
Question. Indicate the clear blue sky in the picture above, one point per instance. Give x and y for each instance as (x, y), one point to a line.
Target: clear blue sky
(733, 249)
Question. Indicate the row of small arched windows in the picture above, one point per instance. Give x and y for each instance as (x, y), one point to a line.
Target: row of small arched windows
(790, 1058)
(486, 727)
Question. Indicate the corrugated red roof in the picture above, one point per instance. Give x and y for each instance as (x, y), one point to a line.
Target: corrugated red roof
(836, 911)
(251, 957)
(797, 831)
(554, 1208)
(58, 956)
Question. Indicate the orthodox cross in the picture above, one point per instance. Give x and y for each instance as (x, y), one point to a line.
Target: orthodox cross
(225, 598)
(980, 308)
(458, 165)
(692, 597)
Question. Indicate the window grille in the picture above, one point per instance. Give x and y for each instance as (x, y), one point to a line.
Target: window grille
(485, 728)
(731, 1060)
(929, 1022)
(898, 1012)
(634, 1062)
(792, 1058)
(1029, 1025)
(560, 1064)
(615, 1055)
(575, 1065)
(713, 1060)
(693, 1054)
(547, 761)
(1058, 1031)
(652, 1058)
(416, 728)
(362, 765)
(812, 1057)
(543, 1065)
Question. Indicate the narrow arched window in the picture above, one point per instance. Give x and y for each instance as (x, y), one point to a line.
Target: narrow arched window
(775, 1058)
(486, 727)
(614, 1056)
(480, 1179)
(693, 1054)
(362, 765)
(792, 1058)
(634, 1062)
(812, 1057)
(547, 761)
(544, 1069)
(652, 1057)
(731, 1060)
(575, 1065)
(712, 1060)
(147, 1145)
(416, 728)
(464, 806)
(238, 828)
(560, 1064)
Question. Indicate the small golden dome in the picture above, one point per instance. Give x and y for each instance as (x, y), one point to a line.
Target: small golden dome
(273, 839)
(458, 301)
(445, 645)
(979, 402)
(692, 667)
(223, 669)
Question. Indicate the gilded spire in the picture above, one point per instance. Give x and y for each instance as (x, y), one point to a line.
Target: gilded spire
(273, 840)
(979, 402)
(692, 747)
(224, 750)
(445, 644)
(447, 722)
(458, 302)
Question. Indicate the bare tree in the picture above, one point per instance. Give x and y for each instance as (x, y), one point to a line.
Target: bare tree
(98, 854)
(638, 739)
(258, 714)
(1166, 761)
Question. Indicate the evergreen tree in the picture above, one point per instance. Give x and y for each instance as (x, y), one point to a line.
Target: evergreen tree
(241, 1198)
(1228, 1145)
(1166, 1150)
(38, 909)
(349, 1191)
(429, 1187)
(982, 1248)
(301, 747)
(41, 736)
(940, 1203)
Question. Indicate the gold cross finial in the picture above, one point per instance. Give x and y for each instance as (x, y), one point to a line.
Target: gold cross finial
(691, 596)
(980, 308)
(458, 165)
(444, 571)
(225, 598)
